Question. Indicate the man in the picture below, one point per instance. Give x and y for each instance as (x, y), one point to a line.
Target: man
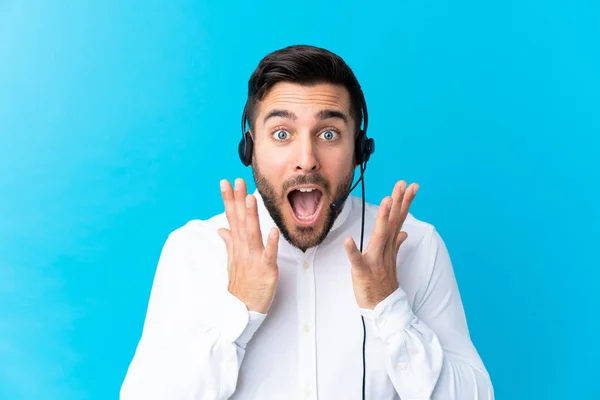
(239, 312)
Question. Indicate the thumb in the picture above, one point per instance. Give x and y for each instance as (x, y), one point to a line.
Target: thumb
(225, 234)
(402, 236)
(270, 253)
(354, 255)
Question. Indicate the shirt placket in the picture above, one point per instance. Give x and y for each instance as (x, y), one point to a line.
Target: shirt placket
(307, 324)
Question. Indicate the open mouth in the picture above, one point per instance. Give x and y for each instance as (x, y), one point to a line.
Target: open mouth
(306, 204)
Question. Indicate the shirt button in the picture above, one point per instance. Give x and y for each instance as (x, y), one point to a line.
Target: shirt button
(306, 264)
(306, 328)
(381, 320)
(401, 366)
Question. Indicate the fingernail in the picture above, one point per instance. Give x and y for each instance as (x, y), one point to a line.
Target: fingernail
(248, 201)
(238, 183)
(273, 233)
(223, 185)
(416, 188)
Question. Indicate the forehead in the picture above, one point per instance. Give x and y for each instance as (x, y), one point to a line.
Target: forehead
(286, 95)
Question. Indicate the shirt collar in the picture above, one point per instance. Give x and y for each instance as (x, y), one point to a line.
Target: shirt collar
(266, 221)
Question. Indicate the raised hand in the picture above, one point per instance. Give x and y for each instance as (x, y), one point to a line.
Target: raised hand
(252, 267)
(374, 270)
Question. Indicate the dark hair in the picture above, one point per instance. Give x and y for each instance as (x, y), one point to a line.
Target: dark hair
(305, 65)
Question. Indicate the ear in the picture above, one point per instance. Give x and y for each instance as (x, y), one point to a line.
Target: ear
(253, 136)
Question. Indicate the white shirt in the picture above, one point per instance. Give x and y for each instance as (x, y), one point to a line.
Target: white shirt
(201, 342)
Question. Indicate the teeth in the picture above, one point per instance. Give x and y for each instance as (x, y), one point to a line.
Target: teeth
(307, 216)
(306, 189)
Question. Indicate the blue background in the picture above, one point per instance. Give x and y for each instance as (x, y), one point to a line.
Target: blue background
(117, 120)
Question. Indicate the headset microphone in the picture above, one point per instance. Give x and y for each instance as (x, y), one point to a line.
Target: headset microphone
(336, 206)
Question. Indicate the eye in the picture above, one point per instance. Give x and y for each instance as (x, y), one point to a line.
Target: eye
(329, 135)
(281, 134)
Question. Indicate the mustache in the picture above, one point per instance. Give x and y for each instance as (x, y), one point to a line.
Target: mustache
(308, 180)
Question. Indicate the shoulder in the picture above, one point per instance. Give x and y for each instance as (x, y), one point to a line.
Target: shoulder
(199, 229)
(197, 239)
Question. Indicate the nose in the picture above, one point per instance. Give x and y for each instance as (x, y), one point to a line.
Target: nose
(307, 160)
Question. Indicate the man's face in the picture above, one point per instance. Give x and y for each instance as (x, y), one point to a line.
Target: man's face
(303, 157)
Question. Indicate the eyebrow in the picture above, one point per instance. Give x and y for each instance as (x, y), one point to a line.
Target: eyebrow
(322, 115)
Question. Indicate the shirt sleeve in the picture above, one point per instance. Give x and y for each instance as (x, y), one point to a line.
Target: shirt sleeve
(429, 353)
(195, 332)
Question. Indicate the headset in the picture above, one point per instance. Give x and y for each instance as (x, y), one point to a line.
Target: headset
(363, 148)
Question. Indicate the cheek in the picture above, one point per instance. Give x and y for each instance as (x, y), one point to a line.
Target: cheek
(267, 154)
(272, 166)
(275, 159)
(338, 161)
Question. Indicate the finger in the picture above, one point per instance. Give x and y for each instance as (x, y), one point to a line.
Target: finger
(380, 230)
(225, 234)
(409, 196)
(354, 255)
(269, 256)
(394, 222)
(255, 242)
(229, 202)
(239, 193)
(402, 236)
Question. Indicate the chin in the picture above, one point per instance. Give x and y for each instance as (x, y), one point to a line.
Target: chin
(302, 212)
(306, 232)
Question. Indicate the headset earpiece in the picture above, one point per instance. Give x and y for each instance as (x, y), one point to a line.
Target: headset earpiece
(363, 148)
(245, 148)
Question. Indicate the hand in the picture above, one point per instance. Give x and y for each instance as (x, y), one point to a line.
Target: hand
(252, 267)
(374, 270)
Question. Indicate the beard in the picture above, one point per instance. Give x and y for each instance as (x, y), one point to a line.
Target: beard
(302, 237)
